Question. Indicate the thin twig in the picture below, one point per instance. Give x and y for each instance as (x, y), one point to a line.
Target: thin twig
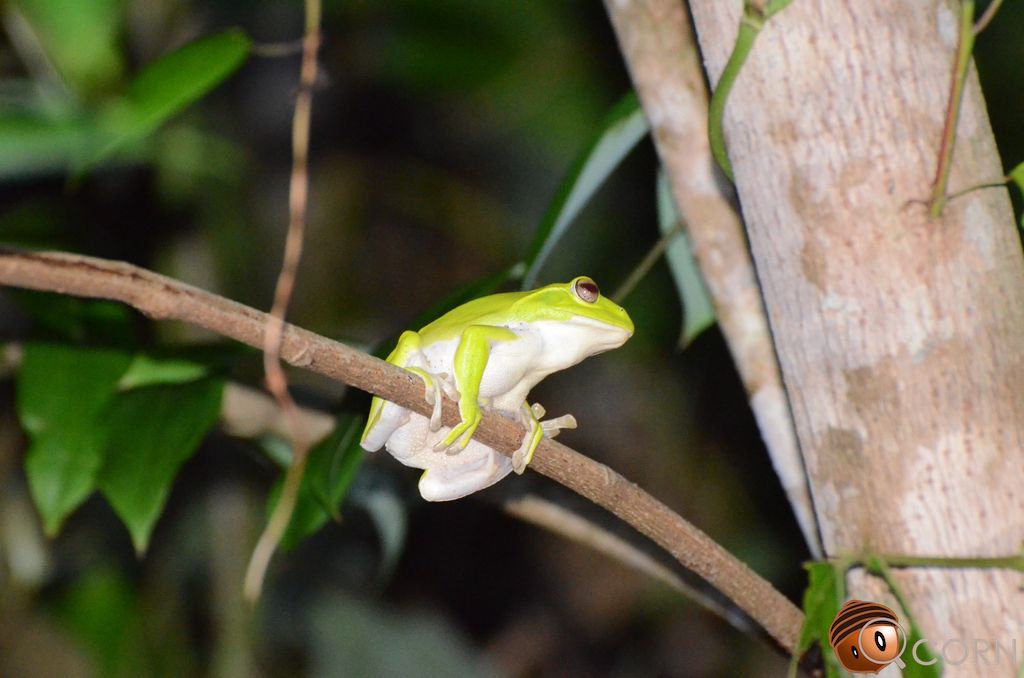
(645, 265)
(278, 49)
(964, 47)
(573, 526)
(987, 16)
(164, 298)
(277, 382)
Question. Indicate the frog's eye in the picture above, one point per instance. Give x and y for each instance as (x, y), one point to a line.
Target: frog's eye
(586, 290)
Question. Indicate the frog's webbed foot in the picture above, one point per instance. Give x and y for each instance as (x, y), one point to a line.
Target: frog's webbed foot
(462, 433)
(552, 427)
(530, 416)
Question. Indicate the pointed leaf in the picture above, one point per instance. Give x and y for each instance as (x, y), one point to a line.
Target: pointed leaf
(698, 313)
(1016, 175)
(330, 469)
(34, 144)
(99, 609)
(150, 433)
(61, 389)
(623, 129)
(80, 38)
(146, 370)
(822, 600)
(389, 516)
(168, 85)
(914, 668)
(78, 320)
(911, 667)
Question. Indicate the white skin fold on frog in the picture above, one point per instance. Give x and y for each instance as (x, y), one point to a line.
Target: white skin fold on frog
(519, 354)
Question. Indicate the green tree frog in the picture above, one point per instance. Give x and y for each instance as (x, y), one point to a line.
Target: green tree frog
(489, 353)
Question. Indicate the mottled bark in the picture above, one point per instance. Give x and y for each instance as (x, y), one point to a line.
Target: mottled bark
(899, 336)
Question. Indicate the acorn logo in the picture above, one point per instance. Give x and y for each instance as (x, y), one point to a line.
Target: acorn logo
(866, 637)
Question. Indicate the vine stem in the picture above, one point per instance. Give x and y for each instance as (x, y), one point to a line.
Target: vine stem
(964, 48)
(987, 16)
(277, 382)
(1015, 562)
(755, 14)
(750, 25)
(645, 265)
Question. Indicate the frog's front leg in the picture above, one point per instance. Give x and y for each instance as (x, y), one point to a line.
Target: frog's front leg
(469, 364)
(530, 416)
(552, 427)
(521, 457)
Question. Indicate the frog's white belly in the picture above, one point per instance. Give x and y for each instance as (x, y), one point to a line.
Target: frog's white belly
(447, 476)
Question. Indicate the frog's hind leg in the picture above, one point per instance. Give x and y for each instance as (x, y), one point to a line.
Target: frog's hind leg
(386, 416)
(464, 474)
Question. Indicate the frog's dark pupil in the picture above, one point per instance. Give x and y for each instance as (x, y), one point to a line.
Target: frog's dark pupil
(879, 641)
(590, 288)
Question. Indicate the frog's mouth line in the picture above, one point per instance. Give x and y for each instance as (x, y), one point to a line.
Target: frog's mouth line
(616, 336)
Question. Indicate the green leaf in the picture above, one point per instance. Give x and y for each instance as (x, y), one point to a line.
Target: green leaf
(146, 370)
(78, 320)
(1016, 175)
(100, 611)
(33, 144)
(61, 389)
(150, 433)
(168, 85)
(822, 600)
(623, 129)
(80, 38)
(698, 313)
(390, 518)
(913, 669)
(331, 466)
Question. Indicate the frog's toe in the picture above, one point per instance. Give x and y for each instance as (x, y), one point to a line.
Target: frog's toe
(435, 415)
(521, 458)
(538, 410)
(552, 427)
(431, 393)
(460, 435)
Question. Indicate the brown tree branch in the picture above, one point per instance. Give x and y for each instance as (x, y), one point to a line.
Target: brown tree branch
(661, 54)
(161, 297)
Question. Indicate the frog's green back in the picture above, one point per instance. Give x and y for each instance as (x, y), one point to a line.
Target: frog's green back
(490, 310)
(554, 302)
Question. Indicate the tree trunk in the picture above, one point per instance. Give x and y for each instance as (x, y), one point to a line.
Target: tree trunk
(900, 337)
